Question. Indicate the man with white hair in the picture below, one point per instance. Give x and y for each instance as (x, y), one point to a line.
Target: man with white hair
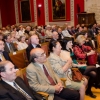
(34, 44)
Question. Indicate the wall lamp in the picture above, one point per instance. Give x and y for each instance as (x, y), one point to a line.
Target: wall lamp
(39, 11)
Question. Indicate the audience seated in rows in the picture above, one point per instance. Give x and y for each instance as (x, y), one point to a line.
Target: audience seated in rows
(90, 71)
(42, 78)
(58, 33)
(62, 68)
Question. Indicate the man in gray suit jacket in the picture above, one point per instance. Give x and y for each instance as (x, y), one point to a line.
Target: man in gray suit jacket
(9, 46)
(40, 81)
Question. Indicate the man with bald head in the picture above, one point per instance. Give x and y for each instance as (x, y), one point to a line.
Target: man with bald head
(41, 77)
(34, 44)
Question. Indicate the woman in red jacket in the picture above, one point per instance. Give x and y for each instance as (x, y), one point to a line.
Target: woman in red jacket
(82, 52)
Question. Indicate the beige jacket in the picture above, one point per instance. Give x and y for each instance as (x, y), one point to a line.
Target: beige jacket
(38, 81)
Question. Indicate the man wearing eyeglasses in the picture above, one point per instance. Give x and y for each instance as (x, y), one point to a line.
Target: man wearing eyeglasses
(42, 78)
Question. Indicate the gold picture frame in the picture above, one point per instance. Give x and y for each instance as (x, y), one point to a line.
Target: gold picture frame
(58, 10)
(25, 10)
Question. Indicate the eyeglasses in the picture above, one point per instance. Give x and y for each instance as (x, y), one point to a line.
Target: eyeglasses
(41, 55)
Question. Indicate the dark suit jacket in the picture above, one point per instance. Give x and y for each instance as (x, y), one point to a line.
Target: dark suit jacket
(7, 92)
(6, 48)
(60, 36)
(6, 55)
(29, 48)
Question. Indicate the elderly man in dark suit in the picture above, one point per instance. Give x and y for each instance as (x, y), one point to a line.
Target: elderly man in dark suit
(9, 46)
(12, 87)
(34, 44)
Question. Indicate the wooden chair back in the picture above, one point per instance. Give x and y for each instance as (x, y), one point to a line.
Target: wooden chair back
(45, 47)
(22, 74)
(19, 58)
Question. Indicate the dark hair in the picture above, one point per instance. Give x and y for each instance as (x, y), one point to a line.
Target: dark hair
(21, 38)
(32, 57)
(2, 69)
(65, 41)
(6, 36)
(51, 45)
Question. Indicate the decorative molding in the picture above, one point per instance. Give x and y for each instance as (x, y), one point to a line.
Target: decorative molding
(46, 12)
(16, 11)
(0, 20)
(25, 24)
(35, 12)
(72, 11)
(60, 23)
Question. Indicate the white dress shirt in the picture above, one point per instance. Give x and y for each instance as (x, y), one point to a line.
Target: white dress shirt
(66, 33)
(22, 46)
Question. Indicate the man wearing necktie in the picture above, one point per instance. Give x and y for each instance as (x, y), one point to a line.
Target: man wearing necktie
(9, 46)
(41, 77)
(13, 87)
(3, 54)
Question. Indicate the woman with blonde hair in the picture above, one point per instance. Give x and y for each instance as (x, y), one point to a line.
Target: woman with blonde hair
(82, 51)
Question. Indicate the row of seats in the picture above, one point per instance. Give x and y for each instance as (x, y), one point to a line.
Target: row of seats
(19, 58)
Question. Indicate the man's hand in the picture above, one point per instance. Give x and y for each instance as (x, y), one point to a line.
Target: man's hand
(58, 88)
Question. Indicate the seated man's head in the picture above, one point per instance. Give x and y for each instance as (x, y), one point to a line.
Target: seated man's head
(28, 28)
(7, 38)
(1, 46)
(55, 35)
(37, 55)
(7, 71)
(59, 30)
(34, 39)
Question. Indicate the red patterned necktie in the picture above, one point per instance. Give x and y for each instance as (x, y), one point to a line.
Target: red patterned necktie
(48, 76)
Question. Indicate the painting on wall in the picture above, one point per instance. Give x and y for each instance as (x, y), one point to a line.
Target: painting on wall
(58, 10)
(25, 11)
